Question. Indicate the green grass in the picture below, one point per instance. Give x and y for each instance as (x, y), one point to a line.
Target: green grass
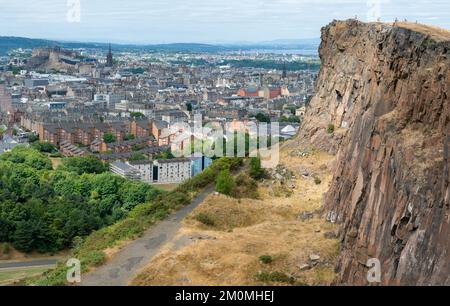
(265, 259)
(10, 276)
(330, 128)
(205, 219)
(274, 277)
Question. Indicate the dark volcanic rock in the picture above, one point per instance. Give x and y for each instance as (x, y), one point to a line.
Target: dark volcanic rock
(386, 90)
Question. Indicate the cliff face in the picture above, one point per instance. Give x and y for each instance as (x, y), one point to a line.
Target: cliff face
(386, 90)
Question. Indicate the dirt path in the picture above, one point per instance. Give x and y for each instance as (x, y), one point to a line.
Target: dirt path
(125, 265)
(27, 264)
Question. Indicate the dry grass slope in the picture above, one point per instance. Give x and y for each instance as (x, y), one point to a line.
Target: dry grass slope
(227, 251)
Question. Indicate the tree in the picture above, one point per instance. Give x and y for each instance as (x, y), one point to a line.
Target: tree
(291, 119)
(44, 147)
(137, 156)
(109, 138)
(32, 158)
(33, 138)
(189, 107)
(80, 165)
(262, 118)
(23, 237)
(225, 182)
(129, 136)
(166, 154)
(137, 115)
(256, 171)
(2, 131)
(44, 209)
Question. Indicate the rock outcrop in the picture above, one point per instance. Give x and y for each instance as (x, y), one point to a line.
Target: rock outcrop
(385, 89)
(53, 58)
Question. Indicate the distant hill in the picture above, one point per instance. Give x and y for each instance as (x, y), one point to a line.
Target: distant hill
(10, 43)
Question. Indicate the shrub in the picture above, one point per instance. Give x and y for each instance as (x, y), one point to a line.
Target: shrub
(262, 118)
(44, 147)
(128, 136)
(266, 259)
(225, 182)
(276, 277)
(87, 164)
(174, 200)
(109, 138)
(56, 155)
(137, 157)
(5, 248)
(205, 219)
(256, 171)
(33, 138)
(94, 258)
(245, 187)
(330, 128)
(317, 180)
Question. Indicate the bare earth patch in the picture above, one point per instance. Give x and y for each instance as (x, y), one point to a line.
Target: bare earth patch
(227, 249)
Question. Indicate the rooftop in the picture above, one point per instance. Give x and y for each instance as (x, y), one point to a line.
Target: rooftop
(174, 160)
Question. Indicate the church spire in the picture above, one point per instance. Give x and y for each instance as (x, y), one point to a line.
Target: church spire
(109, 58)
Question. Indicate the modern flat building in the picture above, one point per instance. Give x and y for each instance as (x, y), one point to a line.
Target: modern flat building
(163, 171)
(171, 171)
(31, 83)
(145, 167)
(198, 164)
(125, 170)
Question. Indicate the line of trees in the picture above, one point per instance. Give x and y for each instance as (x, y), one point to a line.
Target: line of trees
(46, 210)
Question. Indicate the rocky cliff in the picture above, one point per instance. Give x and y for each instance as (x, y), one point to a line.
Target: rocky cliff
(385, 89)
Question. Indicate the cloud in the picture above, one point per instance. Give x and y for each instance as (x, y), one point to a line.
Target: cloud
(200, 20)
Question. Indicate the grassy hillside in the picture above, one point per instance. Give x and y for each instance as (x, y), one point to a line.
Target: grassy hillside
(91, 250)
(278, 238)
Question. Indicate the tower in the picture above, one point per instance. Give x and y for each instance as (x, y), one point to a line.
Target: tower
(109, 58)
(284, 75)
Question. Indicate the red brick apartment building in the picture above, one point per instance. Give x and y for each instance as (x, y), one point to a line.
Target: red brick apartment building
(91, 134)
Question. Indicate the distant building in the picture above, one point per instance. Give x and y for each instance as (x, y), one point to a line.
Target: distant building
(198, 164)
(284, 74)
(145, 168)
(288, 131)
(171, 171)
(109, 58)
(31, 83)
(7, 144)
(249, 92)
(164, 171)
(125, 170)
(56, 105)
(300, 112)
(109, 100)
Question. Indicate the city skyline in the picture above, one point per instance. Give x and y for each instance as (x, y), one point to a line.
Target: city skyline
(201, 21)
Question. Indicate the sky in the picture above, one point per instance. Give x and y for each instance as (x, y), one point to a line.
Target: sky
(201, 21)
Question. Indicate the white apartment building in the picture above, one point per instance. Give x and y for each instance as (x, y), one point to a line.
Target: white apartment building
(173, 170)
(145, 167)
(163, 171)
(125, 170)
